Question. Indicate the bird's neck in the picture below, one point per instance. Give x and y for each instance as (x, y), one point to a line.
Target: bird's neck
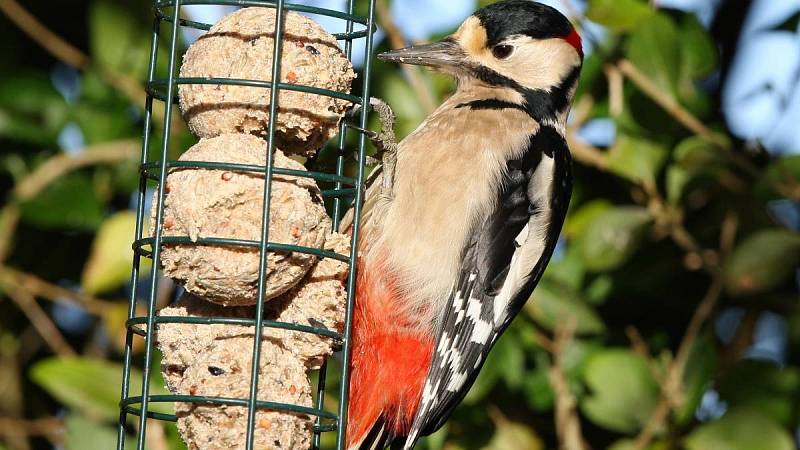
(545, 105)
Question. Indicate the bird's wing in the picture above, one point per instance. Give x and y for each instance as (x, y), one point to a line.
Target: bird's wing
(501, 265)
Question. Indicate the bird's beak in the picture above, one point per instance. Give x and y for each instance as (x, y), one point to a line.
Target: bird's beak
(442, 54)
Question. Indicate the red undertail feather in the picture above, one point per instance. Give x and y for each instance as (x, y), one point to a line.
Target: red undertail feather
(389, 360)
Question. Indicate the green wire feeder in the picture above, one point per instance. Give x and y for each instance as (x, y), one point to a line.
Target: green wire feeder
(154, 167)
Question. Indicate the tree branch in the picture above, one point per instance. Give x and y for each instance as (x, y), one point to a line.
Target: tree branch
(40, 320)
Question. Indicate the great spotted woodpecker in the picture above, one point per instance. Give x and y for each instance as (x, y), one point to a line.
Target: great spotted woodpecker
(454, 245)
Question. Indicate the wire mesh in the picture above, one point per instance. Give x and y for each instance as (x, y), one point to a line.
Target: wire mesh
(346, 189)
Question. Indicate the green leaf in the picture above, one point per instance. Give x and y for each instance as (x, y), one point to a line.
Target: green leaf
(538, 391)
(436, 440)
(654, 47)
(598, 290)
(117, 41)
(552, 305)
(104, 122)
(613, 237)
(506, 360)
(636, 159)
(31, 110)
(69, 202)
(677, 180)
(618, 15)
(578, 221)
(763, 387)
(699, 54)
(514, 436)
(623, 391)
(568, 269)
(83, 434)
(628, 444)
(762, 261)
(513, 363)
(591, 76)
(110, 261)
(780, 176)
(697, 377)
(696, 154)
(740, 429)
(91, 386)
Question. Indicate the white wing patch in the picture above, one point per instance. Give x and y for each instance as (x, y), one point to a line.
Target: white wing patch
(481, 332)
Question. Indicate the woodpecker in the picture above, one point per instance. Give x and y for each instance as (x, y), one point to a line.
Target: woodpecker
(454, 245)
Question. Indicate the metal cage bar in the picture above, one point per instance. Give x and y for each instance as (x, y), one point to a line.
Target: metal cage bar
(345, 187)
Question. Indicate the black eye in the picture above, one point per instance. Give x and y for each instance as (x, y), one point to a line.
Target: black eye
(502, 51)
(216, 371)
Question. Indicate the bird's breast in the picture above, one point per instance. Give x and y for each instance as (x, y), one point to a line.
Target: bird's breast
(447, 181)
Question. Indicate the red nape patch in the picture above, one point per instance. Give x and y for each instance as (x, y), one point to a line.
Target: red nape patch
(574, 39)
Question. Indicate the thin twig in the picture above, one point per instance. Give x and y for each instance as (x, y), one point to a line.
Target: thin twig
(67, 53)
(49, 291)
(58, 165)
(9, 217)
(413, 74)
(51, 170)
(666, 101)
(585, 153)
(640, 347)
(543, 341)
(581, 112)
(50, 41)
(40, 320)
(581, 151)
(672, 391)
(616, 95)
(51, 428)
(742, 340)
(727, 236)
(568, 426)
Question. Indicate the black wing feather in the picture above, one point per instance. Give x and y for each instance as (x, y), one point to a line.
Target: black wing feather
(463, 338)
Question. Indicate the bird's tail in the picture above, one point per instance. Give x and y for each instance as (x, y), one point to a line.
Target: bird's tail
(377, 438)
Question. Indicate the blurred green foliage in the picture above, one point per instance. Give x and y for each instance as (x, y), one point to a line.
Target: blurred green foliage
(668, 228)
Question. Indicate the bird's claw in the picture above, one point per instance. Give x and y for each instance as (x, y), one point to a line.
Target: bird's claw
(385, 141)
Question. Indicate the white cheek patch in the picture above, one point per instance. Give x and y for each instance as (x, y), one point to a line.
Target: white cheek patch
(535, 63)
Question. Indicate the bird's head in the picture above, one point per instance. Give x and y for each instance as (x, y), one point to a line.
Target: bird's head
(520, 44)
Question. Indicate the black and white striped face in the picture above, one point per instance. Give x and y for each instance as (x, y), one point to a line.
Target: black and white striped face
(514, 42)
(533, 63)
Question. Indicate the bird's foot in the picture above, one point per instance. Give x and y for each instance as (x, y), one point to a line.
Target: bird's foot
(384, 141)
